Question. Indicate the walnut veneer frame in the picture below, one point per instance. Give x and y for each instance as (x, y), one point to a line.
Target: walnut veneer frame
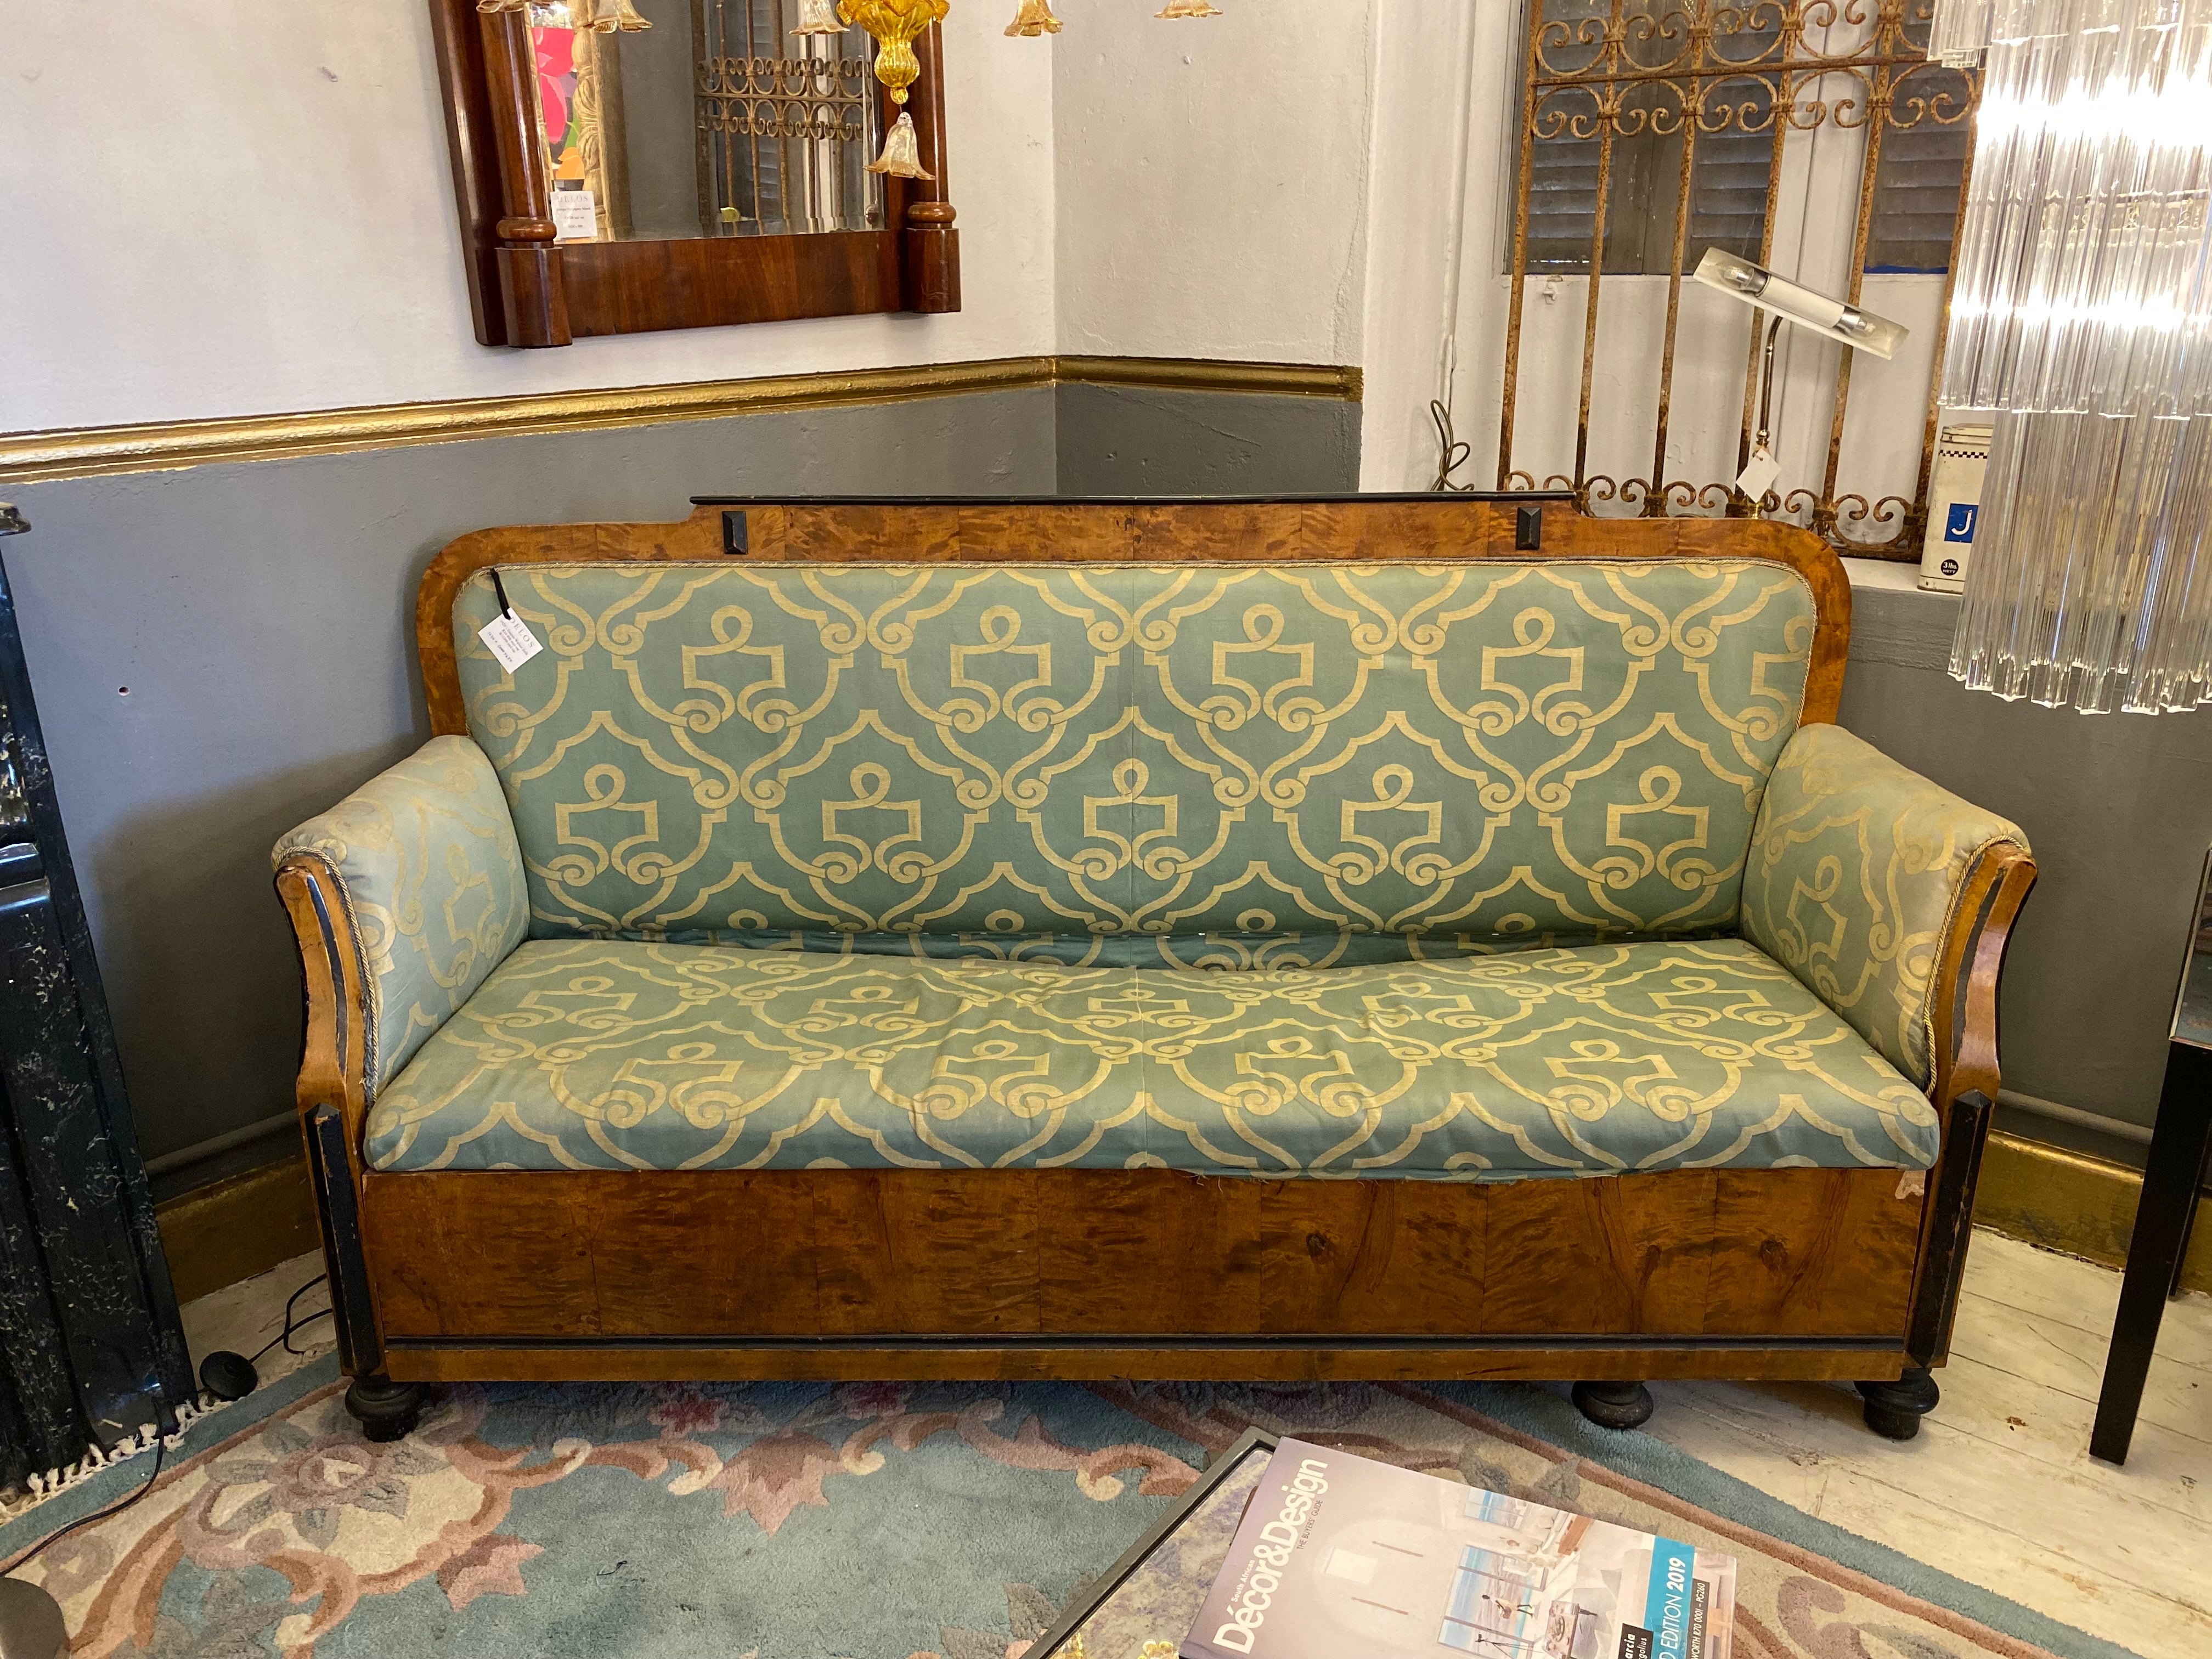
(1815, 1274)
(526, 289)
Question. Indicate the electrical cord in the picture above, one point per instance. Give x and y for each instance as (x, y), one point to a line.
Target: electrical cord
(292, 1327)
(116, 1508)
(1452, 451)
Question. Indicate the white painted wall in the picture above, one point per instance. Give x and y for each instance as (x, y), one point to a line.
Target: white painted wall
(267, 224)
(276, 231)
(1436, 80)
(1212, 179)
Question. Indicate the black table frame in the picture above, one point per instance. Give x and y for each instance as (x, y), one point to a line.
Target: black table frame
(2180, 1149)
(1077, 1612)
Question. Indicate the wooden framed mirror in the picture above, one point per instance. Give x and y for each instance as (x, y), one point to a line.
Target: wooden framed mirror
(710, 169)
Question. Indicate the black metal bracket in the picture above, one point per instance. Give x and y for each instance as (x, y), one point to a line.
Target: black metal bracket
(1528, 530)
(736, 539)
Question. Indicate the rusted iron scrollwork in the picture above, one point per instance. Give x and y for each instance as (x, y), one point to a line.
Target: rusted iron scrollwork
(1610, 71)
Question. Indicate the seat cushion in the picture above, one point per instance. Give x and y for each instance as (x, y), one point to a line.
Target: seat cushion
(612, 1055)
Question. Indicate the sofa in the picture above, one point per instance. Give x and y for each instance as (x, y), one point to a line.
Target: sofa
(1388, 937)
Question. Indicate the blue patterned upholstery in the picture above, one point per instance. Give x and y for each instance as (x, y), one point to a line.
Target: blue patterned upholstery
(424, 860)
(933, 758)
(1424, 870)
(610, 1055)
(1855, 867)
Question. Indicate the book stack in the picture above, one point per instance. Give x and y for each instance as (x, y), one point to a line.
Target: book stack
(1338, 1555)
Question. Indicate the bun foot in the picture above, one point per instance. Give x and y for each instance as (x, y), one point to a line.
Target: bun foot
(1613, 1405)
(1893, 1410)
(385, 1410)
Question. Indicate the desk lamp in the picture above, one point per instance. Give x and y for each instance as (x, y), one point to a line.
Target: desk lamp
(1789, 303)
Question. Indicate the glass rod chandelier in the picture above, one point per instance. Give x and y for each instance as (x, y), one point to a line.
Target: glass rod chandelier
(2081, 315)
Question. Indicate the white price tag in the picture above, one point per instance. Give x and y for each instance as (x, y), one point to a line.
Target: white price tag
(575, 215)
(1759, 474)
(509, 639)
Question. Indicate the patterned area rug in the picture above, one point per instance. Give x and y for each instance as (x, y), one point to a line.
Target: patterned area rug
(868, 1520)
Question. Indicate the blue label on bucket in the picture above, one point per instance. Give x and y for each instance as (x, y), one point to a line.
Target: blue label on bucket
(1959, 526)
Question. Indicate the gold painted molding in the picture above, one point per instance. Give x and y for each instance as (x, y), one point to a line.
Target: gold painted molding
(1203, 374)
(2066, 1201)
(166, 445)
(217, 1235)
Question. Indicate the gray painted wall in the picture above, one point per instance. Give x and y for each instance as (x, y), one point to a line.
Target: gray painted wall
(260, 616)
(1128, 441)
(2119, 809)
(221, 652)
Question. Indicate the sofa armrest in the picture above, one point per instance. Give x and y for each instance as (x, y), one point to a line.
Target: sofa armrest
(1889, 897)
(405, 895)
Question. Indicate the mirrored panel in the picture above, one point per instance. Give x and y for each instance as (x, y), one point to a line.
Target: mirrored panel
(717, 120)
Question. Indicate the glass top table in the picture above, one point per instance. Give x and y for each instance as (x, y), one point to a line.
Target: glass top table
(1142, 1606)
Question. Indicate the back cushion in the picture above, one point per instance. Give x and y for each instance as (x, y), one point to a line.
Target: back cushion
(1138, 763)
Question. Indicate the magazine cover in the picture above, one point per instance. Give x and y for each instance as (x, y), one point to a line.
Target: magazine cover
(1339, 1555)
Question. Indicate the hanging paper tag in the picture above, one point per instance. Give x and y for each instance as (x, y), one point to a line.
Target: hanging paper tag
(575, 215)
(508, 638)
(1759, 474)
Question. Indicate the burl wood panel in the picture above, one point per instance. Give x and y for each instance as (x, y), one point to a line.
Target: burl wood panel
(1024, 1254)
(1817, 1264)
(1620, 1256)
(1379, 527)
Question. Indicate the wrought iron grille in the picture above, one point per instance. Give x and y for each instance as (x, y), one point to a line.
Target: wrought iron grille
(1604, 79)
(788, 124)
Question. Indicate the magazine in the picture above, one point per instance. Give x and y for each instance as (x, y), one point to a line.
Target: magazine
(1340, 1555)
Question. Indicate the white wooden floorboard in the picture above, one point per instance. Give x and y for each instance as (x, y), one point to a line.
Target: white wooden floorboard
(2000, 1489)
(2065, 1291)
(245, 1316)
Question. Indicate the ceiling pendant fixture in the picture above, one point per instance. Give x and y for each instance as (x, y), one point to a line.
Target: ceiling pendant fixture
(1188, 8)
(600, 17)
(1035, 18)
(895, 25)
(2081, 314)
(819, 17)
(611, 14)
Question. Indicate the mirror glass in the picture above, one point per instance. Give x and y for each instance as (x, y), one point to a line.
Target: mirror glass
(716, 121)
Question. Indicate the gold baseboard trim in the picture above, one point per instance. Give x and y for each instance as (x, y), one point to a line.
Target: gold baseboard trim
(235, 1228)
(2085, 1207)
(1346, 383)
(169, 445)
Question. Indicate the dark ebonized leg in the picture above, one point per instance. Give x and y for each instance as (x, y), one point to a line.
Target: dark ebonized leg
(1893, 1410)
(385, 1410)
(1613, 1405)
(2178, 1147)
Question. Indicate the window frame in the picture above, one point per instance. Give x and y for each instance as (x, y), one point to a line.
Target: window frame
(1657, 153)
(1883, 69)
